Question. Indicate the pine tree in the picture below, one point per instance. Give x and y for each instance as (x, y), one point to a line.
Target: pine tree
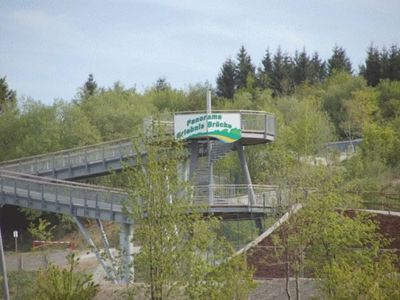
(301, 67)
(385, 63)
(339, 61)
(244, 68)
(264, 73)
(89, 88)
(373, 66)
(278, 72)
(7, 96)
(226, 80)
(317, 69)
(394, 62)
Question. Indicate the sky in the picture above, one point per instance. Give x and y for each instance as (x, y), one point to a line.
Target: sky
(48, 48)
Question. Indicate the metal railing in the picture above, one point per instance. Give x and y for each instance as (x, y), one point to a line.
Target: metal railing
(266, 196)
(61, 193)
(71, 158)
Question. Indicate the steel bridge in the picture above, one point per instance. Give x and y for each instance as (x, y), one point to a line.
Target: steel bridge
(46, 182)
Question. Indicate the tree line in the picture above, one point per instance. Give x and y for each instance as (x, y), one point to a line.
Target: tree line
(282, 73)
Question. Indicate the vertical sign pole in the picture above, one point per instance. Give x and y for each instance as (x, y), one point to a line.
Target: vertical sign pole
(210, 162)
(3, 269)
(15, 234)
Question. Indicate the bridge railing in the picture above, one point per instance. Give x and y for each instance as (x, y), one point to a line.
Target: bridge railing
(71, 158)
(237, 195)
(60, 192)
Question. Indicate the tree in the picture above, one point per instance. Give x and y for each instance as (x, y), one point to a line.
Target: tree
(373, 68)
(174, 236)
(161, 85)
(226, 80)
(317, 69)
(359, 110)
(89, 88)
(301, 67)
(56, 283)
(7, 97)
(282, 71)
(265, 72)
(244, 69)
(339, 61)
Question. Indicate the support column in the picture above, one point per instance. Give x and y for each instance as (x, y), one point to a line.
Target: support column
(96, 250)
(3, 269)
(126, 244)
(245, 168)
(210, 175)
(107, 246)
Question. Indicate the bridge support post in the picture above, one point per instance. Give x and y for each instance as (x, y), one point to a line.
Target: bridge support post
(245, 168)
(86, 235)
(126, 244)
(3, 269)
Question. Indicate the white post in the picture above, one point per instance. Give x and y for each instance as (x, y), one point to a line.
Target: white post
(210, 162)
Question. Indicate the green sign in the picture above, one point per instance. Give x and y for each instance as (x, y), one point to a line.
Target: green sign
(222, 126)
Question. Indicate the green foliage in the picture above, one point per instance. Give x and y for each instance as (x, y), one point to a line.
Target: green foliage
(177, 248)
(117, 112)
(226, 79)
(376, 280)
(41, 231)
(56, 283)
(339, 62)
(389, 98)
(8, 98)
(21, 285)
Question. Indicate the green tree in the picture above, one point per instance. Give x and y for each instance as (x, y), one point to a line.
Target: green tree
(361, 109)
(301, 71)
(89, 88)
(41, 231)
(317, 69)
(175, 239)
(373, 68)
(56, 283)
(339, 61)
(244, 69)
(264, 73)
(117, 112)
(226, 84)
(7, 97)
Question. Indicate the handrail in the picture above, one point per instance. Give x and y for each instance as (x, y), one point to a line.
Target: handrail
(65, 151)
(244, 111)
(57, 182)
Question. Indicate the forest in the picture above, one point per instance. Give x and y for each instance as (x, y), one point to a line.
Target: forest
(315, 102)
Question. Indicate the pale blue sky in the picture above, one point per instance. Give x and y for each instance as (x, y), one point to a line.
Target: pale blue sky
(48, 48)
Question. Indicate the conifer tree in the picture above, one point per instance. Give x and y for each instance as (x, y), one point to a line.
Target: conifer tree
(89, 88)
(301, 67)
(264, 73)
(7, 96)
(244, 68)
(317, 69)
(226, 80)
(373, 66)
(339, 61)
